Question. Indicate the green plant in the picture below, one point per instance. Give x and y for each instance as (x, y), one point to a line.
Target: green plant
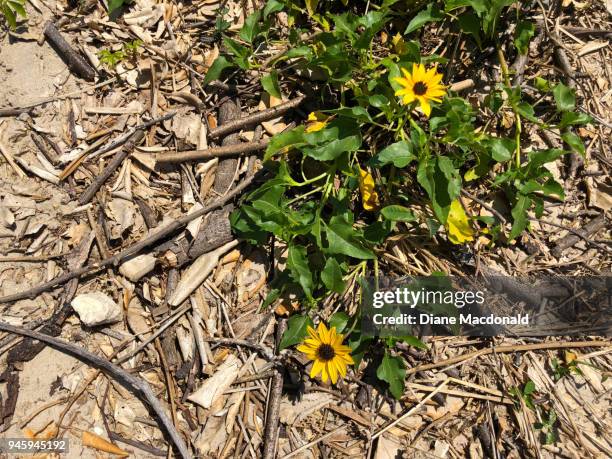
(341, 184)
(526, 394)
(547, 426)
(11, 9)
(111, 58)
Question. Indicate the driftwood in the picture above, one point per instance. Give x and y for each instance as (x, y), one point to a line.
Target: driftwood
(111, 168)
(132, 250)
(209, 153)
(136, 385)
(234, 125)
(229, 112)
(71, 57)
(572, 239)
(214, 232)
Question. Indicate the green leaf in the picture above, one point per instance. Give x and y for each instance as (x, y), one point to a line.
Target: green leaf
(270, 83)
(429, 14)
(297, 262)
(115, 5)
(573, 118)
(272, 6)
(399, 153)
(332, 276)
(297, 329)
(519, 214)
(502, 149)
(339, 320)
(333, 149)
(442, 182)
(470, 24)
(529, 388)
(251, 27)
(398, 213)
(392, 371)
(527, 111)
(11, 19)
(524, 31)
(565, 97)
(284, 141)
(216, 69)
(574, 142)
(343, 239)
(414, 342)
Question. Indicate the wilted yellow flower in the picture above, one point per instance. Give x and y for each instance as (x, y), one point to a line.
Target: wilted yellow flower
(420, 85)
(458, 225)
(316, 121)
(369, 196)
(399, 45)
(330, 356)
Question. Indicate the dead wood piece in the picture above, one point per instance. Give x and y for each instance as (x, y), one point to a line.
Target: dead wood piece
(219, 152)
(112, 167)
(114, 436)
(139, 387)
(213, 233)
(39, 141)
(509, 349)
(7, 409)
(27, 349)
(572, 239)
(71, 57)
(6, 112)
(274, 400)
(255, 118)
(226, 170)
(132, 250)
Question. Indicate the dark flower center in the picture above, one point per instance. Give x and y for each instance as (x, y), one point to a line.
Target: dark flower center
(326, 352)
(419, 88)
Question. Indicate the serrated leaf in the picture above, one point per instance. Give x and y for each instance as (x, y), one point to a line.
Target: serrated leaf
(297, 262)
(216, 69)
(400, 154)
(398, 213)
(332, 276)
(297, 329)
(565, 97)
(429, 14)
(339, 320)
(270, 84)
(392, 371)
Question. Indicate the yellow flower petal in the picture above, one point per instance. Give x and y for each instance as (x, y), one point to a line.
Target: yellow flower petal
(341, 367)
(458, 225)
(425, 106)
(333, 372)
(317, 367)
(369, 196)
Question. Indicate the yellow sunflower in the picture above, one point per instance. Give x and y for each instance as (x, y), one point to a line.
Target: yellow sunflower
(421, 85)
(330, 356)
